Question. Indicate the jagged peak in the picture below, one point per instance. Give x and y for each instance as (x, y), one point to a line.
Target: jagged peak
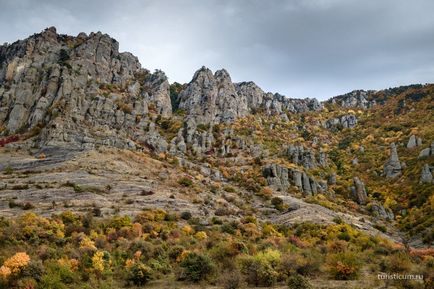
(203, 71)
(222, 73)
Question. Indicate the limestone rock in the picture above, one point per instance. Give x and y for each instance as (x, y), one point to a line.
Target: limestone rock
(354, 99)
(344, 121)
(414, 142)
(213, 98)
(426, 175)
(358, 191)
(426, 152)
(280, 178)
(392, 168)
(81, 91)
(380, 212)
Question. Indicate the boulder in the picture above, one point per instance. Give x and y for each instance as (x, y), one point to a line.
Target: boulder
(426, 175)
(380, 212)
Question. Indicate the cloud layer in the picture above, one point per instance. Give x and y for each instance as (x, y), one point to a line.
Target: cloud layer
(300, 48)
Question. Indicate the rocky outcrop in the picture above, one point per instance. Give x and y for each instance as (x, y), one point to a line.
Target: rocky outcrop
(392, 168)
(358, 191)
(426, 152)
(378, 211)
(354, 99)
(426, 175)
(413, 142)
(341, 122)
(213, 98)
(80, 92)
(305, 157)
(281, 178)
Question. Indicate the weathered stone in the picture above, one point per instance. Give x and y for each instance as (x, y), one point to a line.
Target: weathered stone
(425, 153)
(426, 175)
(344, 121)
(379, 212)
(354, 99)
(359, 191)
(392, 168)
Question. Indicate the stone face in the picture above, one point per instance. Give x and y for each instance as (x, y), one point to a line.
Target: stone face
(80, 90)
(358, 191)
(344, 121)
(280, 178)
(213, 98)
(354, 99)
(392, 168)
(426, 175)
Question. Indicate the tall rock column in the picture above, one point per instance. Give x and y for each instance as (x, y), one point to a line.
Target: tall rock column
(392, 168)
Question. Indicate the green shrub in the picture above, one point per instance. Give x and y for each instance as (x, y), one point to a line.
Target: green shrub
(185, 182)
(186, 215)
(260, 270)
(196, 267)
(139, 274)
(298, 282)
(278, 203)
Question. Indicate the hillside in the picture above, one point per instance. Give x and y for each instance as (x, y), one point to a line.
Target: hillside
(109, 172)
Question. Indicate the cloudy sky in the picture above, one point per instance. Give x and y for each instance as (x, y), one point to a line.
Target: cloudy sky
(300, 48)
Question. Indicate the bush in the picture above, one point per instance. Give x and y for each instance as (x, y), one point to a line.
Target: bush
(186, 216)
(260, 270)
(185, 182)
(196, 267)
(139, 274)
(278, 203)
(298, 282)
(344, 266)
(231, 279)
(307, 263)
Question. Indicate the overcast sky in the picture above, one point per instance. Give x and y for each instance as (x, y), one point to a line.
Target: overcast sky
(299, 48)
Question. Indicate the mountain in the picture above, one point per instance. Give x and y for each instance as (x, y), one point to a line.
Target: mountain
(83, 127)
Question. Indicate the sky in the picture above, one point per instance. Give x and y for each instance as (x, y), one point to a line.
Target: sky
(299, 48)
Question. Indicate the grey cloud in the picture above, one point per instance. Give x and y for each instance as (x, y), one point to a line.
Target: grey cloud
(300, 48)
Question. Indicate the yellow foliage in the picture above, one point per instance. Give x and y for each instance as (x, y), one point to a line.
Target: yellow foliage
(129, 263)
(188, 230)
(5, 272)
(137, 255)
(87, 243)
(269, 230)
(70, 263)
(15, 263)
(98, 261)
(18, 261)
(201, 235)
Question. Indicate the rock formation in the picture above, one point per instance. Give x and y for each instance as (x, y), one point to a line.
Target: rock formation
(392, 168)
(358, 191)
(413, 142)
(280, 178)
(79, 91)
(426, 152)
(344, 121)
(305, 157)
(354, 99)
(426, 175)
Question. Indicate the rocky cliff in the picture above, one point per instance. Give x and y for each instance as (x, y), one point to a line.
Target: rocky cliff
(60, 94)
